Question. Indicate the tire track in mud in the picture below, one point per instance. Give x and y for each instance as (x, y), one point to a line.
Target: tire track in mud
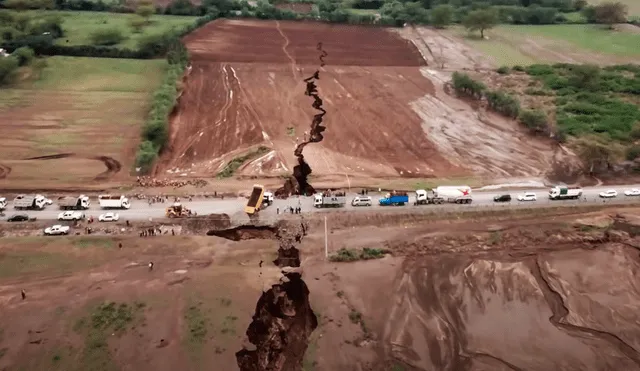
(113, 166)
(286, 52)
(560, 313)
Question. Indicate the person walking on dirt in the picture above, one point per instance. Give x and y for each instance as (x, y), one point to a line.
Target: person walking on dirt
(24, 294)
(150, 266)
(120, 245)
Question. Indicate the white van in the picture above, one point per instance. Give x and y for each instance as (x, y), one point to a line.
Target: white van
(361, 201)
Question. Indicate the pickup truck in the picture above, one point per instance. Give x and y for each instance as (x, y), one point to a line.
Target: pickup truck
(71, 215)
(56, 230)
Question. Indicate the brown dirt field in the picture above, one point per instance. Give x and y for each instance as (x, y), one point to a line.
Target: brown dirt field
(488, 296)
(397, 116)
(303, 8)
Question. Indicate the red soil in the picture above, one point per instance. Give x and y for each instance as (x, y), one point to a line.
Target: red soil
(245, 89)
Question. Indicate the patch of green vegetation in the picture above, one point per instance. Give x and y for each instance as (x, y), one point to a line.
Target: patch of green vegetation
(79, 26)
(340, 294)
(589, 98)
(291, 131)
(235, 164)
(97, 241)
(398, 367)
(197, 324)
(100, 74)
(229, 325)
(495, 237)
(105, 320)
(356, 318)
(14, 263)
(350, 255)
(591, 37)
(225, 302)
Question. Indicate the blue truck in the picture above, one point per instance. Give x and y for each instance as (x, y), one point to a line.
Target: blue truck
(394, 199)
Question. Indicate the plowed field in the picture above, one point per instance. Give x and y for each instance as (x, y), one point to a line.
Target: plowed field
(245, 89)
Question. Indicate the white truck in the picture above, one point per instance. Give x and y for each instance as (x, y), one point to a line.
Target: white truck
(56, 230)
(328, 199)
(267, 199)
(3, 203)
(565, 193)
(29, 202)
(441, 194)
(71, 215)
(81, 202)
(113, 202)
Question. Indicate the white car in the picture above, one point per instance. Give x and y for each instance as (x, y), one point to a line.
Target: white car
(109, 217)
(361, 201)
(632, 192)
(528, 196)
(56, 230)
(71, 215)
(609, 193)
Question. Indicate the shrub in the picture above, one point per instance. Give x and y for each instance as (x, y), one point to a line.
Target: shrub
(465, 85)
(155, 131)
(350, 255)
(535, 120)
(518, 68)
(633, 152)
(24, 54)
(503, 70)
(106, 37)
(503, 103)
(7, 66)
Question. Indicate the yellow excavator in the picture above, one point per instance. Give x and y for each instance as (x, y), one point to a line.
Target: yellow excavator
(178, 211)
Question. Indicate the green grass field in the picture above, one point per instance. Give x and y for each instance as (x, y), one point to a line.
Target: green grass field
(78, 26)
(71, 103)
(514, 45)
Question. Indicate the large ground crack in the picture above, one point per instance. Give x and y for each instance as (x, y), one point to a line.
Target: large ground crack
(560, 312)
(283, 320)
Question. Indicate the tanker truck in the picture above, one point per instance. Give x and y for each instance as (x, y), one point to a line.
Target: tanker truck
(441, 194)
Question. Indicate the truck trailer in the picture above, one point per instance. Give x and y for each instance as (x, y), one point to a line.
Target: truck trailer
(255, 200)
(454, 194)
(29, 202)
(329, 199)
(81, 202)
(113, 202)
(565, 193)
(3, 203)
(394, 198)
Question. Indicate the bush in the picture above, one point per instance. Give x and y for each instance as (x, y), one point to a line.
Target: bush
(465, 85)
(535, 120)
(633, 152)
(155, 132)
(24, 54)
(107, 37)
(7, 66)
(503, 103)
(350, 255)
(503, 70)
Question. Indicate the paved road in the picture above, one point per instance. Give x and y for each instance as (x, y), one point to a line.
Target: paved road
(140, 209)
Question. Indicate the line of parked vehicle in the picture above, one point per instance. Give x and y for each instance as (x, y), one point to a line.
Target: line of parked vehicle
(565, 193)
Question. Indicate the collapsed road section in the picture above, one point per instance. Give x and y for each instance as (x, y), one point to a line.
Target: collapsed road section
(299, 183)
(283, 320)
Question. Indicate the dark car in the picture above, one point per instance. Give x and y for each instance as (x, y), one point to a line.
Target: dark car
(502, 198)
(18, 218)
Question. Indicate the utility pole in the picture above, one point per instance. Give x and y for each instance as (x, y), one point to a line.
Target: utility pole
(326, 239)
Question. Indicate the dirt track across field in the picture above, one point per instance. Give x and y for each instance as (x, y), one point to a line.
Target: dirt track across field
(388, 115)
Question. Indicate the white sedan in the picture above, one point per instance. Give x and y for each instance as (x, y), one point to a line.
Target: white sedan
(632, 192)
(109, 217)
(528, 196)
(609, 193)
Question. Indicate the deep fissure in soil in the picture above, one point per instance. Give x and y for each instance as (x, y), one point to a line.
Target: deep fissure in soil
(299, 183)
(283, 319)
